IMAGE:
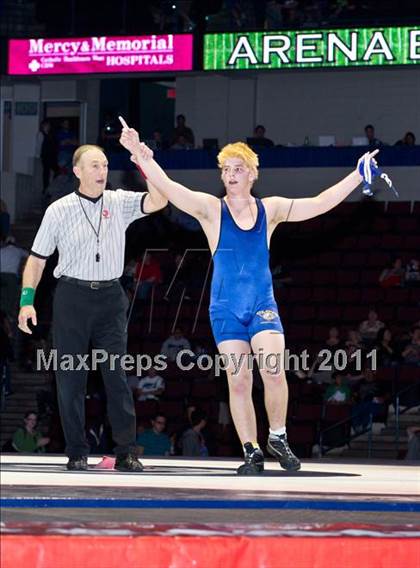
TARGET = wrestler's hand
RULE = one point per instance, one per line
(367, 166)
(130, 139)
(26, 313)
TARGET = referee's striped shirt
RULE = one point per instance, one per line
(65, 226)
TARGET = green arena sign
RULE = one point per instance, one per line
(312, 48)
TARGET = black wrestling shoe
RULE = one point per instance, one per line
(128, 462)
(279, 448)
(77, 463)
(254, 461)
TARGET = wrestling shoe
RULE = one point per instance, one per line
(279, 448)
(254, 461)
(128, 462)
(77, 463)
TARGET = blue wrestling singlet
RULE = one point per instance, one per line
(242, 300)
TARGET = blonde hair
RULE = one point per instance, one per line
(82, 150)
(242, 151)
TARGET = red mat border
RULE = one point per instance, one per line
(208, 552)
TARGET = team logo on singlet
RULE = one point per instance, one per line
(267, 315)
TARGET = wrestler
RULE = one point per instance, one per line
(243, 312)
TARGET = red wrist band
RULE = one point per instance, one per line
(141, 171)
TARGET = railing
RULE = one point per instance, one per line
(349, 420)
(398, 411)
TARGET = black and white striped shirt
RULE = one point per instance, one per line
(66, 228)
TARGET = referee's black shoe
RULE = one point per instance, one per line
(128, 462)
(254, 461)
(77, 463)
(279, 448)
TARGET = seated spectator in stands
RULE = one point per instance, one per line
(411, 353)
(386, 350)
(369, 328)
(158, 142)
(27, 439)
(259, 139)
(370, 135)
(174, 344)
(338, 392)
(412, 273)
(4, 221)
(408, 140)
(150, 275)
(6, 354)
(181, 143)
(413, 446)
(353, 341)
(333, 341)
(150, 387)
(154, 442)
(370, 400)
(393, 277)
(192, 441)
(183, 132)
(12, 258)
(281, 276)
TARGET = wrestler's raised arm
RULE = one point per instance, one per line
(280, 209)
(194, 203)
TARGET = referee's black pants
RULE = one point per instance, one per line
(82, 316)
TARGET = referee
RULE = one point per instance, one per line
(88, 229)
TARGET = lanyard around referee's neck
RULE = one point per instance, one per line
(96, 231)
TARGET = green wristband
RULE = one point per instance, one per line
(27, 297)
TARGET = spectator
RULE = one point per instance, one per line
(182, 132)
(372, 142)
(158, 142)
(413, 449)
(408, 140)
(67, 142)
(181, 143)
(150, 387)
(154, 442)
(192, 441)
(259, 139)
(11, 264)
(333, 342)
(352, 346)
(48, 152)
(27, 439)
(369, 328)
(411, 353)
(412, 273)
(371, 399)
(6, 354)
(354, 341)
(338, 393)
(174, 344)
(4, 221)
(150, 275)
(393, 276)
(386, 352)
